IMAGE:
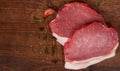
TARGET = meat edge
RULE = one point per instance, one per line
(75, 65)
(60, 39)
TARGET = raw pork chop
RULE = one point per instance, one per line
(89, 45)
(72, 17)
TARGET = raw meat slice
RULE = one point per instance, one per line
(89, 45)
(88, 62)
(72, 17)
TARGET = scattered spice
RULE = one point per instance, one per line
(45, 37)
(49, 12)
(43, 60)
(40, 52)
(31, 46)
(53, 48)
(54, 61)
(46, 50)
(41, 28)
(36, 19)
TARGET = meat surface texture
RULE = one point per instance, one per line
(90, 45)
(72, 17)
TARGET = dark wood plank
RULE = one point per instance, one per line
(23, 41)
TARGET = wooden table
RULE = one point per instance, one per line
(26, 41)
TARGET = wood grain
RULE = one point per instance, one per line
(22, 43)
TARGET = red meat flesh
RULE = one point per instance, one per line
(72, 17)
(90, 41)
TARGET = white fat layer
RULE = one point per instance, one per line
(75, 65)
(60, 39)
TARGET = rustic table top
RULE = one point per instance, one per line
(26, 43)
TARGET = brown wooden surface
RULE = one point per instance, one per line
(22, 47)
